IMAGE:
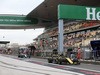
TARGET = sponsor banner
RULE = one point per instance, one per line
(17, 20)
(78, 12)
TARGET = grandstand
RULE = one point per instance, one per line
(77, 33)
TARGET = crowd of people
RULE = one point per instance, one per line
(6, 51)
(80, 38)
(76, 34)
(74, 26)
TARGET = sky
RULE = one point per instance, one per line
(19, 7)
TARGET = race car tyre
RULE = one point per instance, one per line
(76, 63)
(60, 62)
(49, 60)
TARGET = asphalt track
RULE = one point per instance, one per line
(84, 69)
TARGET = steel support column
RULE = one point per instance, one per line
(60, 37)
